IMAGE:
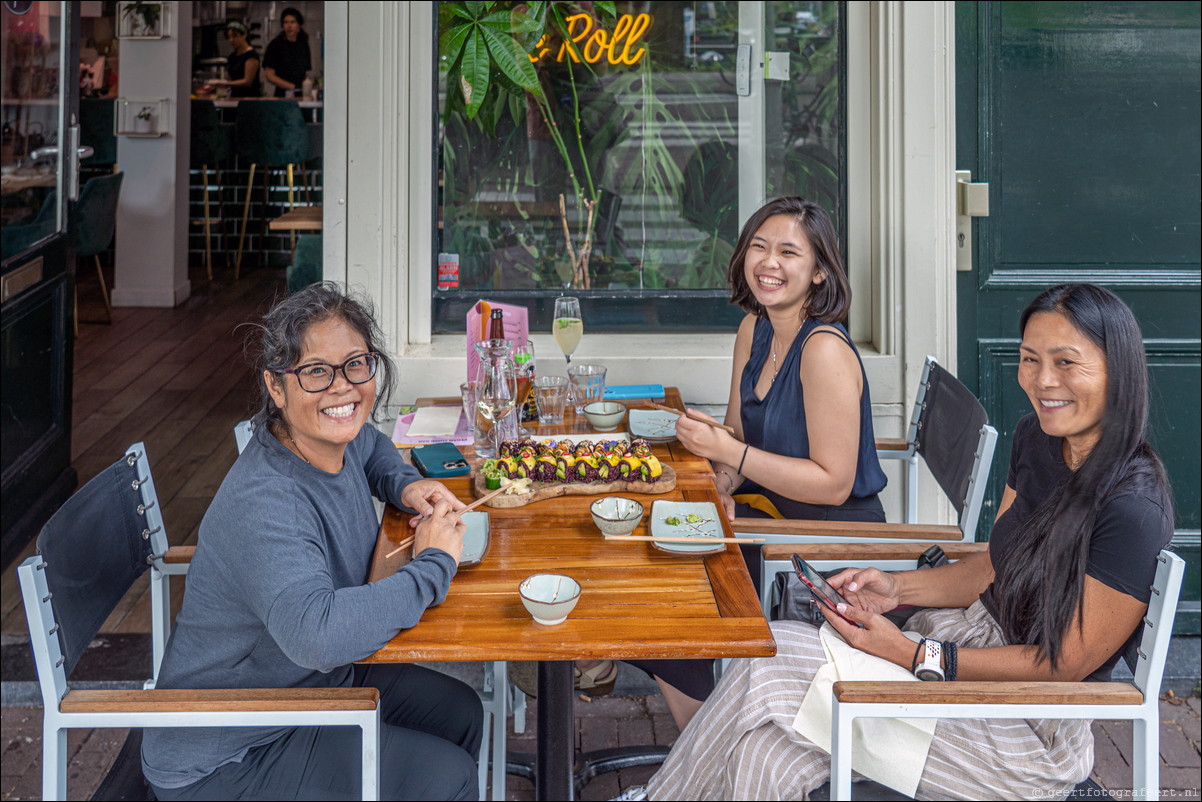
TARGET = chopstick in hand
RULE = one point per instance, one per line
(408, 542)
(691, 416)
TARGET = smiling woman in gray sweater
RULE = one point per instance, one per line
(276, 595)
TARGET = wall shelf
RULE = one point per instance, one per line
(130, 22)
(141, 117)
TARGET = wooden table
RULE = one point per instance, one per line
(637, 602)
(302, 218)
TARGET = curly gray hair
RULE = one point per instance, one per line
(278, 341)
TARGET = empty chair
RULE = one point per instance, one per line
(269, 134)
(306, 262)
(96, 220)
(89, 554)
(211, 144)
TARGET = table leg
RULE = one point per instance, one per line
(556, 736)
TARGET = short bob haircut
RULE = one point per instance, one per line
(828, 302)
(277, 343)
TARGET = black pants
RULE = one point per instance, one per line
(695, 678)
(429, 740)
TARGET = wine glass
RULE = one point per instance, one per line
(568, 326)
(496, 386)
(523, 359)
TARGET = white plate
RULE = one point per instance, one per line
(475, 539)
(652, 425)
(709, 527)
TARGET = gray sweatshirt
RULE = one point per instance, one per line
(276, 595)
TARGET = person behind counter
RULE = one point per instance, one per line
(242, 65)
(287, 58)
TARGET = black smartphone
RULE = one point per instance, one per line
(439, 460)
(820, 589)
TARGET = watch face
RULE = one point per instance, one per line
(929, 675)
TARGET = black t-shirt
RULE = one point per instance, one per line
(236, 66)
(1129, 531)
(290, 60)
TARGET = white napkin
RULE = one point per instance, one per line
(434, 421)
(891, 751)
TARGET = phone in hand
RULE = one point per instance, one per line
(439, 461)
(820, 589)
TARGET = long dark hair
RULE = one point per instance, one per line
(278, 341)
(827, 302)
(1039, 589)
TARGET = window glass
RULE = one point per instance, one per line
(637, 126)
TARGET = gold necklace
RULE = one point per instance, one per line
(775, 369)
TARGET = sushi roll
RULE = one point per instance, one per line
(526, 449)
(508, 448)
(525, 468)
(651, 469)
(607, 466)
(640, 448)
(628, 468)
(561, 448)
(587, 469)
(565, 468)
(508, 467)
(544, 468)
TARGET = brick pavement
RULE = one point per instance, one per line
(603, 722)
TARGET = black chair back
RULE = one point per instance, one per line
(948, 433)
(94, 548)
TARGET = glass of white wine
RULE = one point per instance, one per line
(567, 326)
(496, 389)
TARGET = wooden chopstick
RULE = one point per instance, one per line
(406, 543)
(691, 416)
(646, 539)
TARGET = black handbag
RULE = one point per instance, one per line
(796, 603)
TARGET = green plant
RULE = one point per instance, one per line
(145, 113)
(148, 12)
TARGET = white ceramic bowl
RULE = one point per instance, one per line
(615, 515)
(549, 597)
(605, 415)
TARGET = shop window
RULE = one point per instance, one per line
(657, 139)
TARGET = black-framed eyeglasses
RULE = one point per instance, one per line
(318, 376)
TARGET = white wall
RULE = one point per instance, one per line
(152, 219)
(902, 152)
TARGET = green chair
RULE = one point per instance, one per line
(271, 133)
(96, 220)
(96, 131)
(212, 143)
(306, 263)
(19, 236)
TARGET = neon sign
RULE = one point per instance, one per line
(615, 46)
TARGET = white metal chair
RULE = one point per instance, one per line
(949, 428)
(99, 542)
(1137, 701)
(492, 695)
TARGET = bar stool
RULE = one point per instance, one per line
(96, 220)
(271, 133)
(212, 143)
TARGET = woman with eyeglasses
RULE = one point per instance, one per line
(276, 595)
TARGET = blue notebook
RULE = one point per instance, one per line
(621, 392)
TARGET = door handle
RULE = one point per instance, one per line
(74, 154)
(972, 200)
(85, 151)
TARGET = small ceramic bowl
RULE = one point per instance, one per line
(549, 597)
(615, 515)
(605, 415)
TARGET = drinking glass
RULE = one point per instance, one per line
(523, 359)
(496, 392)
(588, 385)
(551, 395)
(567, 326)
(467, 391)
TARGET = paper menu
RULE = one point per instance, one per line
(515, 324)
(434, 421)
(401, 436)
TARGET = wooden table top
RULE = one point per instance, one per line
(637, 602)
(302, 218)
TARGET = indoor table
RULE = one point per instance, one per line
(636, 602)
(302, 218)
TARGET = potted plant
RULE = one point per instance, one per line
(143, 120)
(143, 17)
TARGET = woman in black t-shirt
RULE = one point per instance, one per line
(1058, 596)
(287, 58)
(243, 64)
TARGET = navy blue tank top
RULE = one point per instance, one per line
(777, 424)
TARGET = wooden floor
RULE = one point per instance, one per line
(176, 379)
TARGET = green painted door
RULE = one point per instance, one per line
(1083, 117)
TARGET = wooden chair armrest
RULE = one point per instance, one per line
(239, 700)
(992, 693)
(773, 526)
(179, 554)
(854, 552)
(892, 444)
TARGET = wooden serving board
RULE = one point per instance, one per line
(544, 490)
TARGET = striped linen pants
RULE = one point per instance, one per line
(742, 745)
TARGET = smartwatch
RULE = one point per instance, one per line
(931, 668)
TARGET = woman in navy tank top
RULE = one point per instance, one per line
(799, 404)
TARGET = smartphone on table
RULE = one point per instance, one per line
(820, 589)
(439, 461)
